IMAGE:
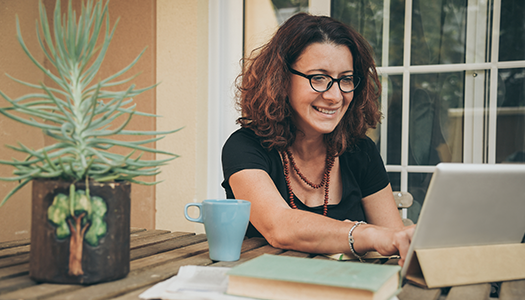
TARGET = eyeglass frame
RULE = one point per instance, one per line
(329, 86)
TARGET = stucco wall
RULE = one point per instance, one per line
(15, 214)
(182, 69)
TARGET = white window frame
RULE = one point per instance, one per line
(225, 45)
(476, 149)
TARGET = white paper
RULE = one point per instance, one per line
(193, 283)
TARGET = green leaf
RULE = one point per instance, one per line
(99, 207)
(97, 229)
(63, 230)
(82, 203)
(58, 212)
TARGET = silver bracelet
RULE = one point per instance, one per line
(351, 241)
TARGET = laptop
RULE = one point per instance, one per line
(471, 204)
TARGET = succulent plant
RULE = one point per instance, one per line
(81, 113)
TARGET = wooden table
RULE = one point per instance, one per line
(156, 255)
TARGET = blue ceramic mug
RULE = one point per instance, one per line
(225, 223)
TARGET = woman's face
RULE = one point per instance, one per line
(317, 113)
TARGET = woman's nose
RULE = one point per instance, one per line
(333, 94)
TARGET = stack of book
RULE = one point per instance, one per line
(283, 277)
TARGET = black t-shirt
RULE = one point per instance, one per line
(362, 170)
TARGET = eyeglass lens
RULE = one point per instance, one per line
(322, 83)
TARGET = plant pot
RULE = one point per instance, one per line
(89, 247)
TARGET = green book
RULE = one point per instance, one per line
(285, 277)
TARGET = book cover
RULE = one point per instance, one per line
(284, 277)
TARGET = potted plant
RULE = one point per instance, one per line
(81, 186)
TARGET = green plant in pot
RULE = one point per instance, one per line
(81, 186)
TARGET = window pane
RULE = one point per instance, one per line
(393, 118)
(510, 145)
(397, 33)
(367, 18)
(436, 118)
(284, 9)
(417, 186)
(438, 32)
(395, 180)
(512, 30)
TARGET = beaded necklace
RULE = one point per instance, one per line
(324, 182)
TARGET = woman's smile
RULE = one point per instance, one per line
(325, 111)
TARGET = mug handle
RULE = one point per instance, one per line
(199, 218)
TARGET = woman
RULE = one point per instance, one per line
(302, 157)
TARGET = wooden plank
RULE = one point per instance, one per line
(14, 251)
(470, 292)
(153, 239)
(40, 291)
(168, 245)
(14, 271)
(511, 290)
(141, 234)
(16, 243)
(249, 255)
(135, 280)
(13, 284)
(136, 229)
(155, 260)
(14, 260)
(134, 295)
(411, 292)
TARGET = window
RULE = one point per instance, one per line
(453, 82)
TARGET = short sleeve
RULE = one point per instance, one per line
(243, 150)
(375, 175)
(365, 168)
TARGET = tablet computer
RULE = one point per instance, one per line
(471, 204)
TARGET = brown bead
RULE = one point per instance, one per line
(324, 182)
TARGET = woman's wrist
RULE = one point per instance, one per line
(351, 240)
(363, 236)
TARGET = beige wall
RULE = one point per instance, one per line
(260, 24)
(182, 67)
(136, 30)
(15, 214)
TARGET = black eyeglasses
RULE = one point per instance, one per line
(322, 82)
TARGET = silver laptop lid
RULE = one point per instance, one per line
(471, 204)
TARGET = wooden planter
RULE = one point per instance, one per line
(96, 249)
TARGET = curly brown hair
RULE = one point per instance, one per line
(263, 84)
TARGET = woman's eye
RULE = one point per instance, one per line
(347, 80)
(319, 78)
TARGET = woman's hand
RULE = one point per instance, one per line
(386, 241)
(389, 241)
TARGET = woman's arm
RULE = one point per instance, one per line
(300, 230)
(380, 209)
(282, 226)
